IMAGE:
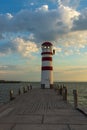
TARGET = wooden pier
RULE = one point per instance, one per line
(41, 109)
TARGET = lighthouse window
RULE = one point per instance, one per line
(46, 47)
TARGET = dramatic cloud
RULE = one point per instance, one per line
(42, 22)
(68, 15)
(62, 25)
(81, 22)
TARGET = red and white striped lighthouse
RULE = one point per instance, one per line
(47, 68)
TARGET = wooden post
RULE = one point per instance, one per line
(75, 93)
(11, 95)
(58, 92)
(61, 89)
(64, 93)
(28, 87)
(24, 90)
(57, 88)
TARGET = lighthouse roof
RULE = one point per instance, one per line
(47, 44)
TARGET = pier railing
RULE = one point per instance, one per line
(20, 91)
(77, 96)
(72, 95)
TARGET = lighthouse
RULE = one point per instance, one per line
(47, 67)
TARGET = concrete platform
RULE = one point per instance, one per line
(41, 110)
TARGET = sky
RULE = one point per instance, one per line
(26, 24)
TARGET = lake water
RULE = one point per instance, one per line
(80, 86)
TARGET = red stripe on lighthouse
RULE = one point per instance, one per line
(47, 68)
(46, 58)
(46, 53)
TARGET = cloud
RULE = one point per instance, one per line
(38, 24)
(70, 69)
(7, 47)
(26, 20)
(73, 42)
(70, 73)
(3, 22)
(18, 45)
(43, 8)
(9, 16)
(67, 15)
(3, 67)
(78, 69)
(26, 48)
(69, 3)
(65, 26)
(9, 67)
(43, 23)
(1, 37)
(57, 49)
(81, 22)
(22, 33)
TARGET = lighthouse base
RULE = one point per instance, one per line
(43, 86)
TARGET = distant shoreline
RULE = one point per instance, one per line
(3, 81)
(11, 81)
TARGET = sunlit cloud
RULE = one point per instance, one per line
(70, 3)
(67, 15)
(20, 46)
(26, 48)
(42, 8)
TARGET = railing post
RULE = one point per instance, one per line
(24, 90)
(30, 86)
(27, 87)
(11, 95)
(64, 93)
(61, 90)
(75, 93)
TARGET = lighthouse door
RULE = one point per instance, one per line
(47, 83)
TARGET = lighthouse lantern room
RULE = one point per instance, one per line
(47, 68)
